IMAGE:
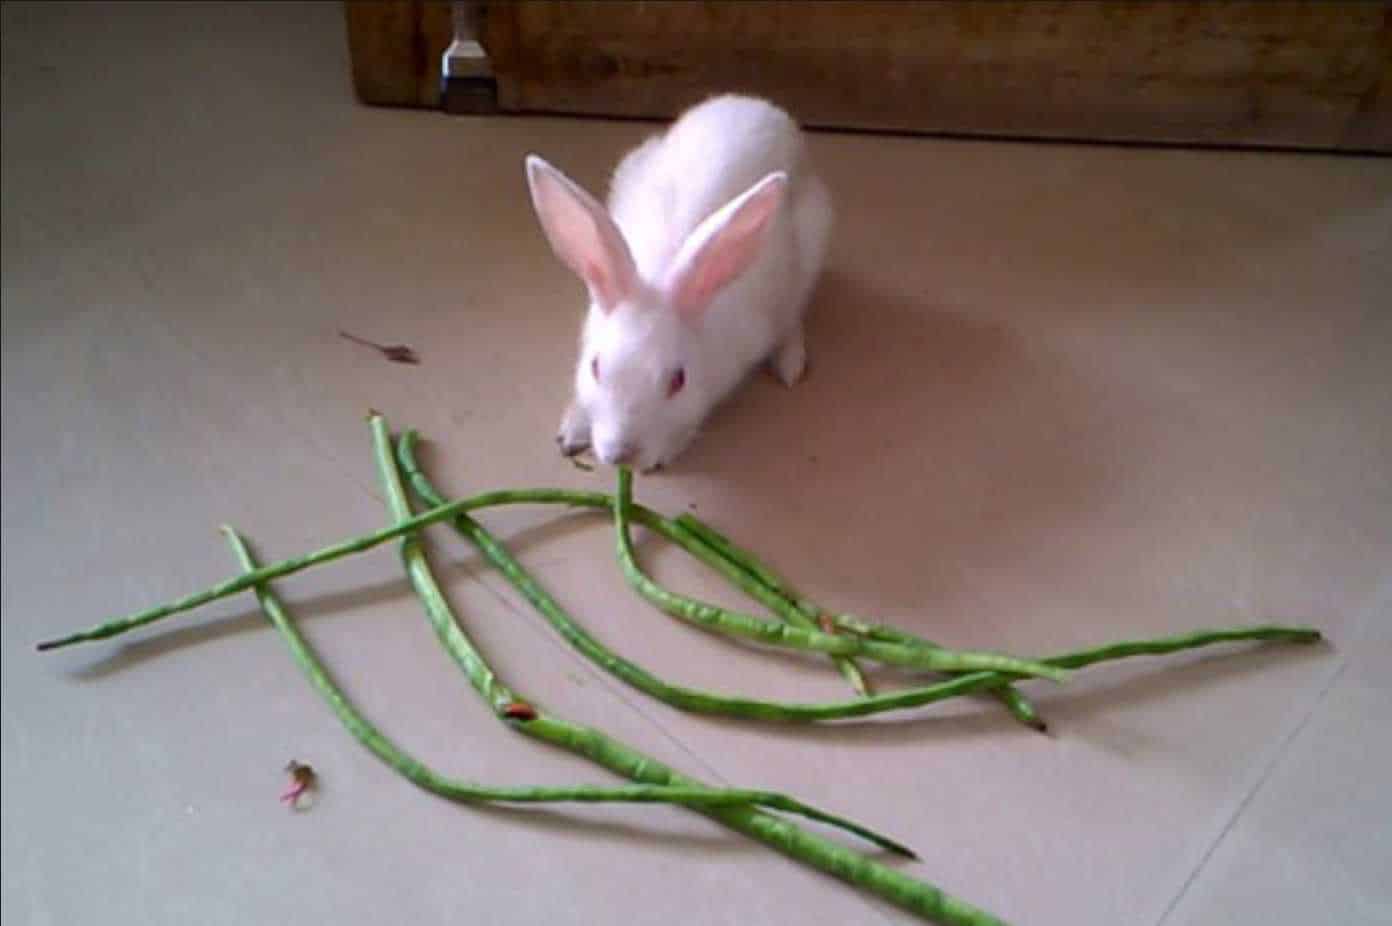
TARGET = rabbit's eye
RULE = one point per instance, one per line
(594, 367)
(675, 384)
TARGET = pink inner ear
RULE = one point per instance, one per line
(582, 235)
(609, 274)
(730, 241)
(599, 281)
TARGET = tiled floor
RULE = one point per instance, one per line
(1060, 395)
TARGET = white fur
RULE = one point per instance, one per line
(704, 261)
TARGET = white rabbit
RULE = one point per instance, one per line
(700, 270)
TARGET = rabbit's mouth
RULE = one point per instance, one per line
(619, 455)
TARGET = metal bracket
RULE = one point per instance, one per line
(467, 83)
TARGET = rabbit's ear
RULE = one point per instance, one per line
(582, 234)
(723, 246)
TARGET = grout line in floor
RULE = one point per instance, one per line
(539, 626)
(1382, 600)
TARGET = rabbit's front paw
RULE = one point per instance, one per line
(574, 434)
(789, 361)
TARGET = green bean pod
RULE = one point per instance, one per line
(913, 895)
(785, 635)
(689, 699)
(1015, 701)
(422, 775)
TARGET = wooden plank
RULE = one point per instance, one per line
(1370, 128)
(1249, 72)
(395, 47)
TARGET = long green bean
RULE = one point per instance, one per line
(774, 597)
(1161, 646)
(894, 886)
(738, 809)
(964, 684)
(1015, 701)
(748, 561)
(689, 699)
(1077, 659)
(543, 496)
(749, 626)
(768, 631)
(782, 606)
(295, 564)
(420, 774)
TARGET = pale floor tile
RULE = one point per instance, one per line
(1312, 844)
(1059, 396)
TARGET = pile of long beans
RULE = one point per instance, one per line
(801, 624)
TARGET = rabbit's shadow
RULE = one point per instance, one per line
(924, 446)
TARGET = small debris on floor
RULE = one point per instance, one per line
(302, 781)
(396, 353)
